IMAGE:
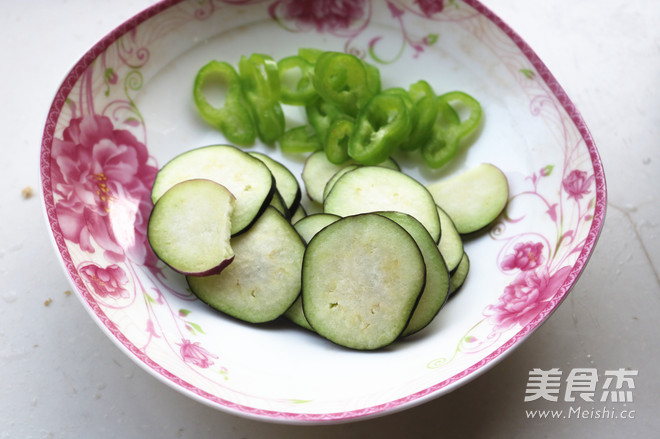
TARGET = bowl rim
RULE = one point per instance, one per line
(409, 401)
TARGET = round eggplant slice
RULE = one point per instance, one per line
(362, 277)
(190, 227)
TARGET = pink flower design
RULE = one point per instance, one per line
(106, 282)
(577, 184)
(430, 7)
(525, 256)
(552, 211)
(195, 354)
(525, 297)
(103, 177)
(323, 15)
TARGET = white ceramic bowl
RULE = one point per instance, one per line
(126, 108)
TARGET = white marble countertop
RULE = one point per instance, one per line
(63, 378)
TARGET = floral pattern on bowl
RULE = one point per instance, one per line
(125, 108)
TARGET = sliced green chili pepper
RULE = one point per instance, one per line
(299, 140)
(347, 112)
(420, 90)
(443, 143)
(341, 79)
(320, 115)
(373, 73)
(425, 112)
(296, 86)
(412, 114)
(373, 78)
(261, 86)
(336, 144)
(310, 54)
(260, 75)
(449, 128)
(422, 115)
(380, 127)
(232, 118)
(462, 102)
(402, 93)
